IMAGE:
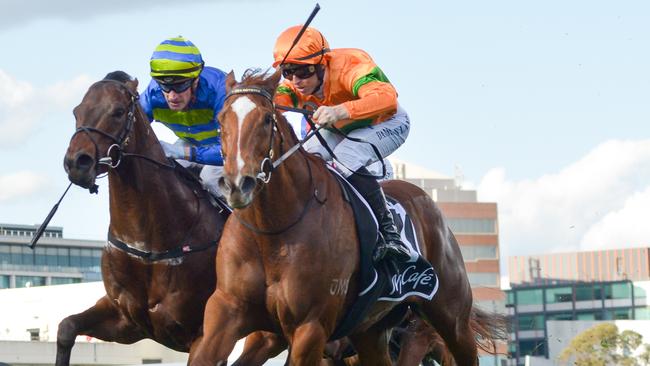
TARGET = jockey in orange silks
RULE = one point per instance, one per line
(354, 95)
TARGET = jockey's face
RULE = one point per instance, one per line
(178, 101)
(305, 85)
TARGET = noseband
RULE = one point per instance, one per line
(118, 142)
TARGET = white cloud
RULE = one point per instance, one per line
(625, 227)
(600, 201)
(20, 184)
(23, 107)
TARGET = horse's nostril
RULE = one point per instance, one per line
(84, 162)
(247, 184)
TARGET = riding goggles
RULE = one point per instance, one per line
(178, 87)
(300, 71)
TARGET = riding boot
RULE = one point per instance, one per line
(390, 244)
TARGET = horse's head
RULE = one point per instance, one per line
(104, 120)
(248, 126)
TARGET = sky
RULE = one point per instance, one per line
(541, 106)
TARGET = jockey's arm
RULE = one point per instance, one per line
(375, 98)
(206, 154)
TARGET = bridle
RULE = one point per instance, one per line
(268, 162)
(119, 142)
(122, 139)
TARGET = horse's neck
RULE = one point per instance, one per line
(287, 193)
(148, 202)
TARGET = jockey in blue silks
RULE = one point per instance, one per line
(186, 96)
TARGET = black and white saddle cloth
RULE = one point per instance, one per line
(390, 281)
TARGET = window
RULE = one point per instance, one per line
(75, 257)
(642, 313)
(63, 259)
(483, 279)
(639, 293)
(5, 254)
(97, 257)
(473, 226)
(50, 254)
(474, 252)
(559, 294)
(86, 258)
(618, 314)
(532, 347)
(28, 256)
(39, 256)
(16, 255)
(585, 293)
(29, 281)
(4, 281)
(530, 297)
(530, 322)
(595, 315)
(560, 316)
(618, 290)
(64, 280)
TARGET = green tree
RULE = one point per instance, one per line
(603, 345)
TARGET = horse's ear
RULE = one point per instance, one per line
(230, 81)
(132, 85)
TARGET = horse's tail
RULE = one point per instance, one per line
(489, 328)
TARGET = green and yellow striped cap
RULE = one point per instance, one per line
(176, 57)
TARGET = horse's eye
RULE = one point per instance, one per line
(119, 112)
(268, 119)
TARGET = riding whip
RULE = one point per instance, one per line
(41, 229)
(304, 27)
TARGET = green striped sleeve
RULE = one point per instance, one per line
(375, 75)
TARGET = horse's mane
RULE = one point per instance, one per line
(118, 75)
(257, 77)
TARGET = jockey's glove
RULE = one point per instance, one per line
(326, 116)
(175, 151)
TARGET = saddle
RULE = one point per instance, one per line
(389, 282)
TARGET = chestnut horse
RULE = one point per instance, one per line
(158, 268)
(292, 237)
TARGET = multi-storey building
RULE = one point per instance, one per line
(54, 260)
(604, 285)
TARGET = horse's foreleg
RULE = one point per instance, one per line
(101, 321)
(372, 346)
(259, 347)
(224, 324)
(307, 345)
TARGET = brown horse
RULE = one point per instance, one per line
(292, 238)
(158, 268)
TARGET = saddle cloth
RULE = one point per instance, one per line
(392, 282)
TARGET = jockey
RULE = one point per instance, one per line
(354, 95)
(186, 96)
